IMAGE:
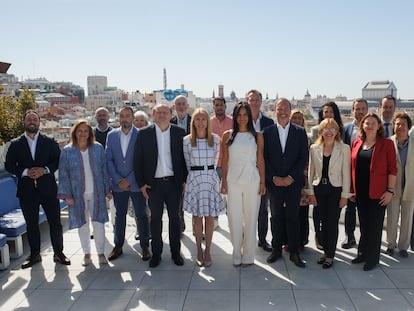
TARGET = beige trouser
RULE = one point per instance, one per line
(243, 203)
(406, 222)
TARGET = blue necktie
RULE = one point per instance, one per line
(387, 131)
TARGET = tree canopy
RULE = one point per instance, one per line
(12, 110)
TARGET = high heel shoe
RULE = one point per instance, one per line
(199, 262)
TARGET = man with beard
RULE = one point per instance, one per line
(119, 154)
(34, 158)
(102, 128)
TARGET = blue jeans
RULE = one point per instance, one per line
(121, 207)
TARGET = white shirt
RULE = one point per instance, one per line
(125, 138)
(283, 134)
(257, 123)
(164, 161)
(355, 132)
(32, 146)
(87, 171)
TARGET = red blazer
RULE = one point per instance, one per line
(383, 163)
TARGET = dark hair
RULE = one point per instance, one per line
(219, 98)
(388, 97)
(403, 115)
(74, 140)
(127, 108)
(29, 112)
(380, 132)
(359, 100)
(253, 91)
(337, 115)
(250, 128)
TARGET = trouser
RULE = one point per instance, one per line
(98, 228)
(328, 198)
(263, 219)
(243, 203)
(350, 219)
(121, 206)
(393, 214)
(30, 209)
(304, 225)
(168, 193)
(284, 203)
(371, 219)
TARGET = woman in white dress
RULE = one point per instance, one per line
(243, 182)
(202, 193)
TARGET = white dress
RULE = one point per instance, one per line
(202, 192)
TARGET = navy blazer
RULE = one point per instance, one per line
(146, 155)
(19, 158)
(347, 135)
(119, 166)
(174, 120)
(265, 122)
(290, 163)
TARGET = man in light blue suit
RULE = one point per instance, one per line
(120, 146)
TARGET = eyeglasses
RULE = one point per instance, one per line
(329, 129)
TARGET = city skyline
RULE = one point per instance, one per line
(277, 47)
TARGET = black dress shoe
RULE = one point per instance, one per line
(349, 243)
(155, 261)
(62, 259)
(265, 246)
(275, 255)
(116, 252)
(358, 259)
(31, 260)
(297, 260)
(389, 251)
(368, 266)
(136, 237)
(178, 260)
(146, 255)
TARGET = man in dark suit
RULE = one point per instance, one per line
(351, 132)
(160, 172)
(260, 122)
(181, 119)
(34, 158)
(286, 154)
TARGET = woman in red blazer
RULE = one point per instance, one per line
(373, 172)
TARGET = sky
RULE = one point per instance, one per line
(283, 48)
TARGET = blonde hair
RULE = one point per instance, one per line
(324, 124)
(298, 111)
(193, 131)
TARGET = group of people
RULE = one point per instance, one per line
(189, 163)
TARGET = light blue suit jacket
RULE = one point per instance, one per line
(119, 166)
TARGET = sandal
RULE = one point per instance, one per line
(328, 263)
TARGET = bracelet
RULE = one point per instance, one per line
(390, 190)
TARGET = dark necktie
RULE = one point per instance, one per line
(387, 129)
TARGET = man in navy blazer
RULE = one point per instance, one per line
(120, 147)
(260, 122)
(286, 154)
(34, 158)
(351, 133)
(160, 172)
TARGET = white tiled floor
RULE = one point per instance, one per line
(128, 284)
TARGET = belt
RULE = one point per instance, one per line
(202, 168)
(324, 181)
(166, 178)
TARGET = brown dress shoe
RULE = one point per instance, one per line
(146, 255)
(116, 252)
(31, 260)
(297, 260)
(275, 255)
